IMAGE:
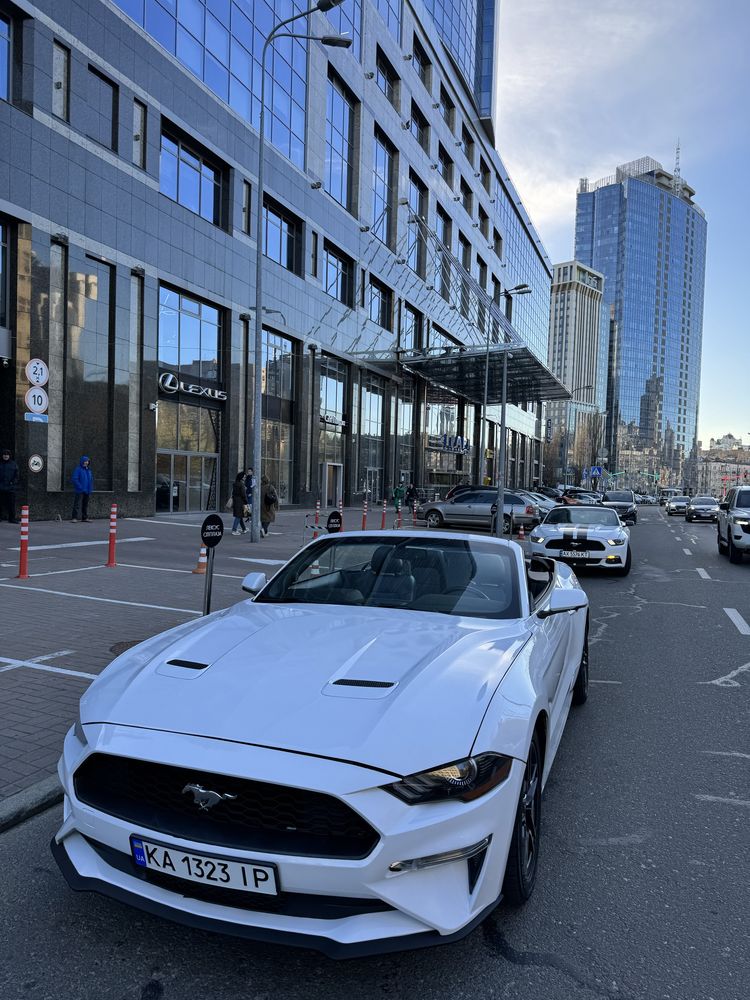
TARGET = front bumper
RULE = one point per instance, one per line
(400, 910)
(613, 558)
(702, 515)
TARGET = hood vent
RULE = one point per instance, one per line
(189, 664)
(356, 683)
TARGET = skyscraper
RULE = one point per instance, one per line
(642, 230)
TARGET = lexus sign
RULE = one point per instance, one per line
(171, 384)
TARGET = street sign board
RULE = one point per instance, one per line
(334, 522)
(36, 399)
(36, 463)
(37, 372)
(36, 418)
(596, 471)
(212, 530)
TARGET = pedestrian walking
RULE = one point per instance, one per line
(398, 495)
(411, 495)
(239, 504)
(8, 484)
(250, 490)
(269, 504)
(83, 484)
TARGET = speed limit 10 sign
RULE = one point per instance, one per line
(37, 399)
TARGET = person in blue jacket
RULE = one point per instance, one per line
(83, 483)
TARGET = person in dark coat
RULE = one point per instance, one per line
(411, 496)
(83, 484)
(8, 483)
(239, 502)
(249, 489)
(269, 504)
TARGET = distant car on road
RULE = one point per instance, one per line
(677, 505)
(733, 525)
(584, 536)
(666, 493)
(702, 509)
(623, 501)
(474, 509)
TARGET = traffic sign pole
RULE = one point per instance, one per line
(212, 531)
(209, 582)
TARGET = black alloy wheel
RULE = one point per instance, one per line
(625, 568)
(581, 686)
(523, 856)
(435, 519)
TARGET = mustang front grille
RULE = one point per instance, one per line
(244, 814)
(575, 545)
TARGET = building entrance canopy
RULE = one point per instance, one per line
(461, 372)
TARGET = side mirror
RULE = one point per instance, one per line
(562, 601)
(723, 506)
(254, 582)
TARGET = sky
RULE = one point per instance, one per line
(584, 85)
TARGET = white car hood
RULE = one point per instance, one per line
(270, 682)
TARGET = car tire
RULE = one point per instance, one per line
(735, 554)
(435, 519)
(719, 543)
(523, 855)
(624, 570)
(581, 686)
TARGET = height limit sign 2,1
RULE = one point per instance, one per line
(212, 532)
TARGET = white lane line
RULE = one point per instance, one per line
(593, 681)
(78, 545)
(103, 600)
(52, 656)
(728, 681)
(727, 802)
(726, 753)
(736, 618)
(57, 572)
(31, 665)
(702, 573)
(262, 562)
(170, 569)
(687, 552)
(175, 524)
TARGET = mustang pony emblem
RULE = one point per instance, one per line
(204, 798)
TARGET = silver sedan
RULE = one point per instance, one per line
(475, 510)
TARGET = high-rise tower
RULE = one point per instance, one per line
(642, 230)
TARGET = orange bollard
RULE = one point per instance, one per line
(382, 519)
(202, 561)
(23, 558)
(317, 519)
(110, 563)
(521, 534)
(414, 513)
(398, 522)
(341, 511)
(364, 515)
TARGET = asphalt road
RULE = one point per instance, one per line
(643, 891)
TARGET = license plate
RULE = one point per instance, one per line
(248, 876)
(574, 555)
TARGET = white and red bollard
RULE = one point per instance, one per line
(341, 511)
(385, 512)
(23, 558)
(521, 534)
(110, 563)
(414, 513)
(317, 519)
(398, 518)
(364, 514)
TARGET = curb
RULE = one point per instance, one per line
(35, 799)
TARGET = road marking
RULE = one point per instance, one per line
(175, 524)
(736, 618)
(32, 665)
(262, 562)
(52, 656)
(78, 545)
(727, 753)
(687, 552)
(728, 681)
(593, 681)
(103, 600)
(728, 802)
(702, 573)
(170, 569)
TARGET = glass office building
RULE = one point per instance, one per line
(644, 232)
(390, 233)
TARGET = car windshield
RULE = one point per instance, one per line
(743, 499)
(680, 499)
(704, 501)
(583, 515)
(477, 579)
(619, 497)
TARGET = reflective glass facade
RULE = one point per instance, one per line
(391, 13)
(4, 58)
(467, 28)
(642, 230)
(339, 143)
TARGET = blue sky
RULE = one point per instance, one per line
(586, 84)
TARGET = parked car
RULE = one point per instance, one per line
(677, 505)
(702, 509)
(549, 491)
(733, 524)
(373, 783)
(474, 509)
(544, 503)
(623, 501)
(584, 536)
(460, 488)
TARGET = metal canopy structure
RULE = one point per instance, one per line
(461, 372)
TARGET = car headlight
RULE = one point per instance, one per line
(536, 538)
(79, 733)
(464, 779)
(615, 541)
(740, 520)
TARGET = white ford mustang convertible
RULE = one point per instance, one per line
(351, 761)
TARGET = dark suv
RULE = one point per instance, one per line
(623, 501)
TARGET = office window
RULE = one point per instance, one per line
(420, 128)
(186, 177)
(339, 143)
(390, 11)
(139, 134)
(282, 236)
(338, 274)
(384, 172)
(468, 144)
(411, 329)
(189, 334)
(381, 304)
(485, 176)
(60, 81)
(443, 230)
(347, 20)
(467, 198)
(416, 249)
(4, 276)
(497, 242)
(246, 206)
(484, 223)
(102, 109)
(464, 249)
(447, 108)
(4, 58)
(386, 79)
(420, 62)
(445, 166)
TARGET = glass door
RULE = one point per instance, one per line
(186, 483)
(332, 482)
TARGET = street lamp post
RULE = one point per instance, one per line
(337, 41)
(578, 388)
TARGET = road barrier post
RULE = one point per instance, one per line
(385, 511)
(110, 563)
(398, 514)
(341, 511)
(364, 514)
(414, 513)
(317, 519)
(23, 558)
